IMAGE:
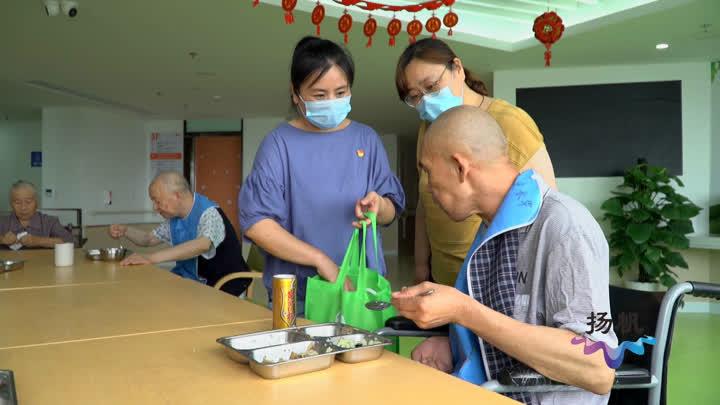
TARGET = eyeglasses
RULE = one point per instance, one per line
(413, 99)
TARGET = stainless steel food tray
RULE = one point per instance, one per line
(269, 353)
(10, 265)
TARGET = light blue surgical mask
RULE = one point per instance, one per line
(434, 104)
(327, 114)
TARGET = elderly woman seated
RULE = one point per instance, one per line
(25, 226)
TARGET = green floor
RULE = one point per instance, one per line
(694, 360)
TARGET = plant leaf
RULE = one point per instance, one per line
(675, 259)
(667, 280)
(639, 215)
(653, 254)
(681, 226)
(613, 206)
(640, 233)
(679, 242)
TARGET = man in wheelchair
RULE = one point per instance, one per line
(536, 272)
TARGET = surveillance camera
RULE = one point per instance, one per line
(52, 7)
(69, 8)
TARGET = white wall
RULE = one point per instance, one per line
(695, 113)
(254, 131)
(17, 140)
(89, 150)
(715, 124)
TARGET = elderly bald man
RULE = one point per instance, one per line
(205, 246)
(26, 227)
(537, 270)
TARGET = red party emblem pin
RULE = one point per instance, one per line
(360, 153)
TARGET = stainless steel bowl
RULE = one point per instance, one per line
(10, 265)
(107, 254)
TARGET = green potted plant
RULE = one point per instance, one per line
(649, 221)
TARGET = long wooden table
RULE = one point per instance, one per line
(39, 271)
(144, 338)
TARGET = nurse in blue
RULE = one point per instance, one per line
(314, 176)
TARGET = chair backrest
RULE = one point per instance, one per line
(71, 218)
(635, 314)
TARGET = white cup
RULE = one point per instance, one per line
(64, 254)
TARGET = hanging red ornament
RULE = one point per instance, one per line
(548, 29)
(317, 16)
(450, 20)
(345, 24)
(394, 27)
(288, 6)
(414, 28)
(433, 25)
(369, 30)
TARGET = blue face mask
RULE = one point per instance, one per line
(434, 104)
(327, 114)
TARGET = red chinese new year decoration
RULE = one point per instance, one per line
(344, 25)
(317, 16)
(433, 25)
(288, 6)
(414, 28)
(450, 20)
(548, 29)
(412, 8)
(369, 30)
(394, 27)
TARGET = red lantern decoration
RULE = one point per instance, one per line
(318, 14)
(548, 29)
(414, 28)
(394, 27)
(450, 20)
(345, 24)
(433, 25)
(369, 30)
(288, 6)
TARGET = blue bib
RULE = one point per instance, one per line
(185, 229)
(519, 208)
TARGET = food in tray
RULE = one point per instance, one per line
(346, 343)
(294, 356)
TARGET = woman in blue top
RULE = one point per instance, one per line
(314, 176)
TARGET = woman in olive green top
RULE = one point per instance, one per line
(431, 79)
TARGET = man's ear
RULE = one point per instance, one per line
(461, 166)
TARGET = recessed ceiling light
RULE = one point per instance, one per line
(662, 46)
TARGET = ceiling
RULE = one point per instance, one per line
(135, 55)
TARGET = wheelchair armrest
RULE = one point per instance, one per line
(401, 326)
(401, 323)
(706, 290)
(523, 376)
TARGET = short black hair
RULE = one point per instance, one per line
(315, 55)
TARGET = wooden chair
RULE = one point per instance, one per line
(252, 274)
(256, 263)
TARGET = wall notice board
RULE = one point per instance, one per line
(600, 130)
